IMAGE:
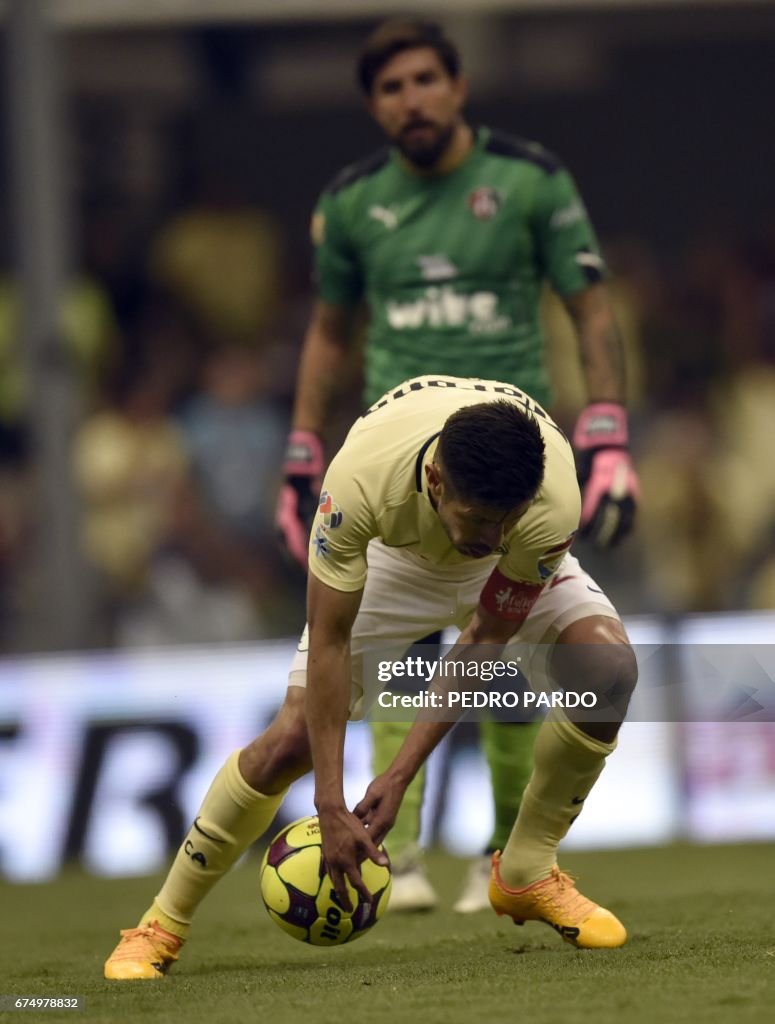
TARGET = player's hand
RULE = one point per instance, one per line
(609, 484)
(379, 807)
(346, 845)
(298, 499)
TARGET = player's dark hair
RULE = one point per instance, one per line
(396, 35)
(492, 454)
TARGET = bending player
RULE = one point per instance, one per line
(460, 496)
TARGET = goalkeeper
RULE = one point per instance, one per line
(448, 235)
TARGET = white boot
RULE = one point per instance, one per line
(474, 895)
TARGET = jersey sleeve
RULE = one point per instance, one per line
(566, 240)
(541, 539)
(341, 530)
(338, 271)
(516, 582)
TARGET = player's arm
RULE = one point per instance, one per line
(601, 437)
(600, 345)
(323, 358)
(346, 843)
(324, 352)
(576, 269)
(495, 621)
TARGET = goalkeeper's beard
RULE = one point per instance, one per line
(425, 154)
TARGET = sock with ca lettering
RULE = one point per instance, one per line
(567, 764)
(231, 818)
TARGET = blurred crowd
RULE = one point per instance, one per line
(186, 344)
(700, 334)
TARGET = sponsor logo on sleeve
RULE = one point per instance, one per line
(320, 542)
(329, 511)
(568, 215)
(331, 517)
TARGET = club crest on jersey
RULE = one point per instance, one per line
(484, 202)
(329, 511)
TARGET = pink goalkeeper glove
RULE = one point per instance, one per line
(609, 485)
(298, 499)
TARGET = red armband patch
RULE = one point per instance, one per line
(509, 599)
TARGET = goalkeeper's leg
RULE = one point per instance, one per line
(508, 747)
(411, 889)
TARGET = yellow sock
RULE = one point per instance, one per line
(169, 924)
(232, 816)
(567, 764)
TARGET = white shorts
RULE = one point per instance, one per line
(405, 599)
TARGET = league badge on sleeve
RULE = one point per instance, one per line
(550, 560)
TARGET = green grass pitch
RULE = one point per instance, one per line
(701, 949)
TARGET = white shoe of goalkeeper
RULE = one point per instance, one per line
(411, 891)
(475, 892)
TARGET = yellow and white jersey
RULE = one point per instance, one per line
(376, 487)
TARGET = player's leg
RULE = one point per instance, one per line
(238, 808)
(588, 653)
(508, 748)
(412, 890)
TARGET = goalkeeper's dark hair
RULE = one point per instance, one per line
(397, 35)
(492, 454)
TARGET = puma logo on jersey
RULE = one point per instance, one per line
(445, 307)
(385, 216)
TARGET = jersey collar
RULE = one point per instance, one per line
(428, 449)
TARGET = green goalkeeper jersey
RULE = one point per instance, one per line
(452, 266)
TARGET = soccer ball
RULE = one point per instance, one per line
(300, 897)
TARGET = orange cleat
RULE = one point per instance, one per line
(146, 952)
(556, 901)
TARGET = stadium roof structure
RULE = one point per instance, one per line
(97, 14)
